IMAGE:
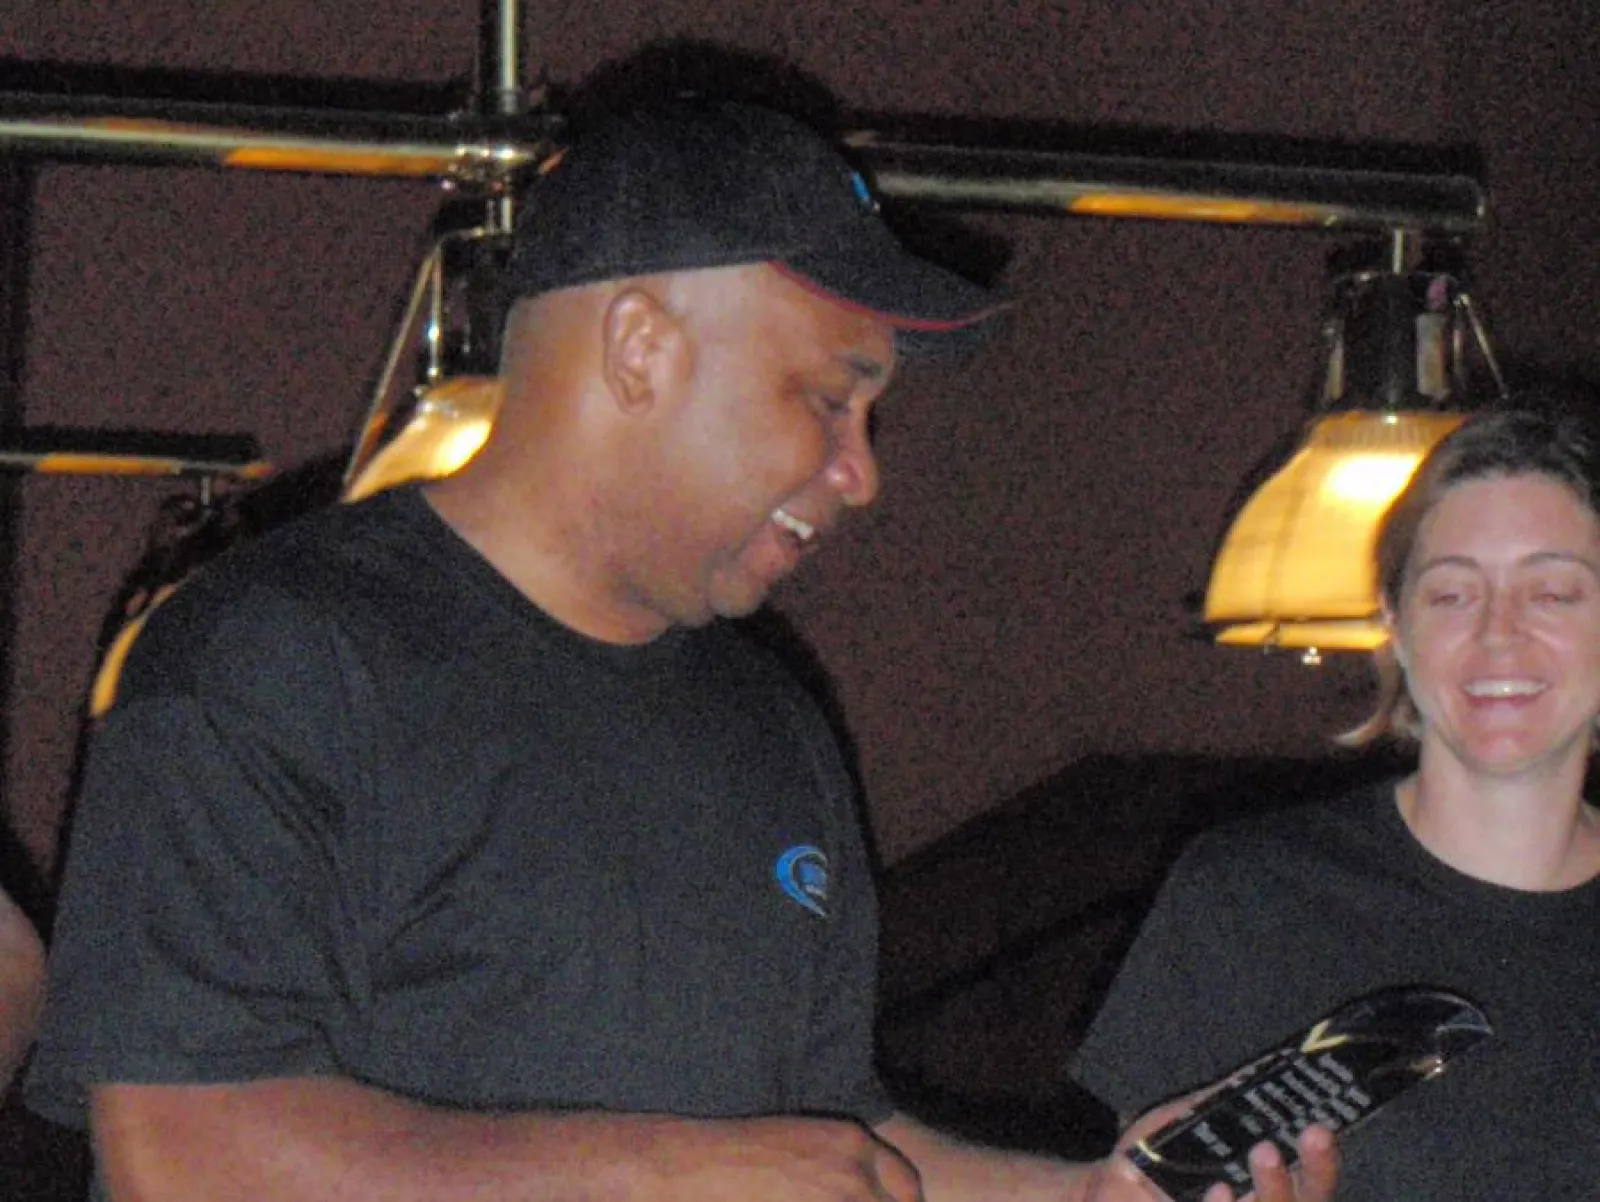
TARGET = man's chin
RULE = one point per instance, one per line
(738, 600)
(741, 607)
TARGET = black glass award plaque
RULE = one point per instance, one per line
(1338, 1073)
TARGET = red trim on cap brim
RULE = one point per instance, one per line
(920, 325)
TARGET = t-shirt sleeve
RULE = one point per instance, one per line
(840, 1064)
(197, 938)
(837, 1066)
(1166, 1026)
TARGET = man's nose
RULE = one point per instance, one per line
(853, 471)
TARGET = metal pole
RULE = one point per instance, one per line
(474, 152)
(500, 83)
(500, 58)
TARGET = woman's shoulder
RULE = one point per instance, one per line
(1354, 824)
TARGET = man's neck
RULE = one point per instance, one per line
(532, 554)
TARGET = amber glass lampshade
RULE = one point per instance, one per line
(1296, 569)
(447, 426)
(440, 391)
(1407, 359)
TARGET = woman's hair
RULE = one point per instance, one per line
(1507, 442)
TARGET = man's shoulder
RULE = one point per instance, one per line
(313, 551)
(276, 594)
(337, 534)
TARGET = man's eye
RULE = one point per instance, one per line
(837, 406)
(1445, 599)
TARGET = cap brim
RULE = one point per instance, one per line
(928, 307)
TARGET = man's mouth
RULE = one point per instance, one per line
(803, 531)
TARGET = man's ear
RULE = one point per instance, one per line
(643, 342)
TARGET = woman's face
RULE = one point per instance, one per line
(1498, 627)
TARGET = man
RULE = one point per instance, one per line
(448, 845)
(21, 987)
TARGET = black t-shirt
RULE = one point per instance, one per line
(362, 810)
(1265, 926)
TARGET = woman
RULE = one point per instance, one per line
(1477, 872)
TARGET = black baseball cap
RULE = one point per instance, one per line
(696, 184)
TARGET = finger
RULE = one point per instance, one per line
(1318, 1170)
(897, 1179)
(1269, 1175)
(1153, 1121)
(1119, 1178)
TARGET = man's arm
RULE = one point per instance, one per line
(953, 1171)
(333, 1140)
(22, 973)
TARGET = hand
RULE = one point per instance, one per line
(1311, 1180)
(782, 1159)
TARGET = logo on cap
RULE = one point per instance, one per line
(858, 185)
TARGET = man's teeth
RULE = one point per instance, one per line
(801, 530)
(1504, 688)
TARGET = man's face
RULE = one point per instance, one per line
(768, 445)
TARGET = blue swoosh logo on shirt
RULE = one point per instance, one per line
(802, 873)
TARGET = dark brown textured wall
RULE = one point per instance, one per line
(1015, 601)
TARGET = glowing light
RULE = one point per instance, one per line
(1179, 208)
(1370, 481)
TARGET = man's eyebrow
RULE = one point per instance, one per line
(866, 368)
